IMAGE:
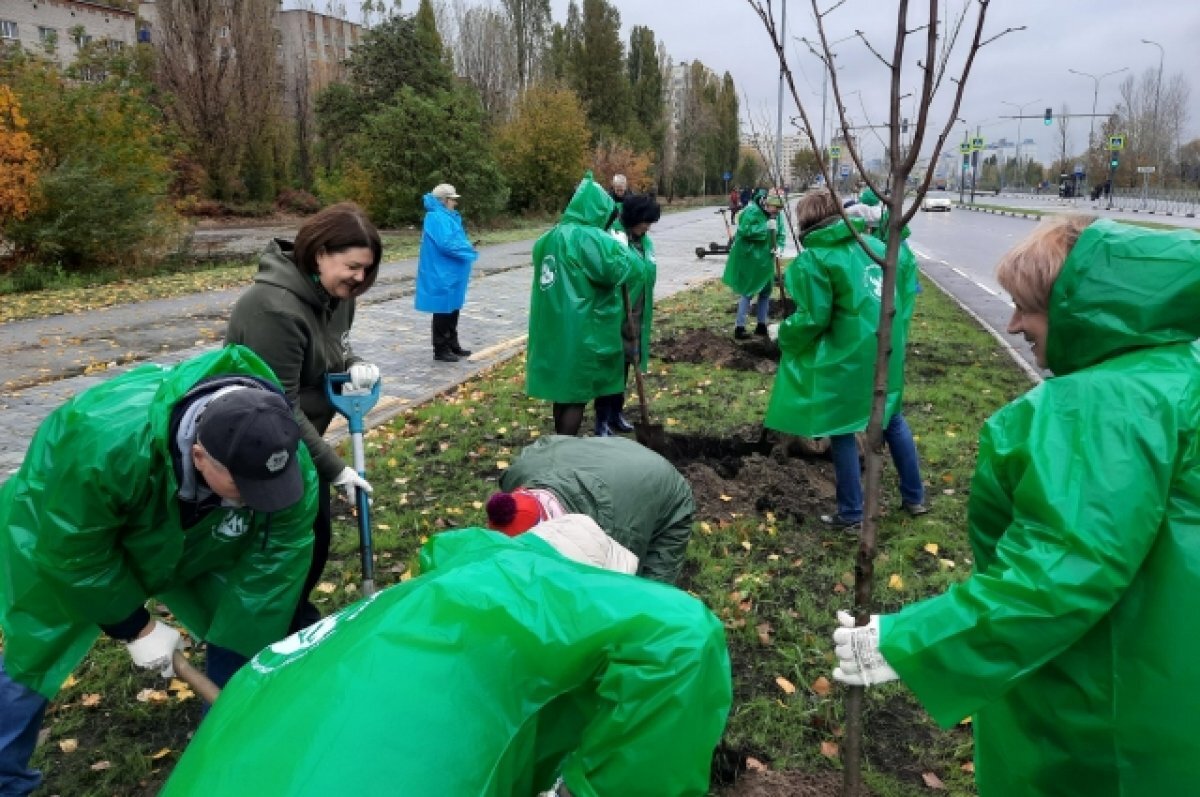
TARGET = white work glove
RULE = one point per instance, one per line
(779, 252)
(154, 651)
(859, 661)
(772, 225)
(363, 376)
(620, 236)
(349, 480)
(773, 332)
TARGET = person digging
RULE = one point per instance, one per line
(750, 268)
(187, 484)
(635, 495)
(510, 666)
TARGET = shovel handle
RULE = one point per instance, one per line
(637, 367)
(198, 681)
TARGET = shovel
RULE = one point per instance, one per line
(354, 409)
(199, 682)
(651, 435)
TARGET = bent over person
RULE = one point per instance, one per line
(507, 665)
(1071, 643)
(636, 496)
(186, 484)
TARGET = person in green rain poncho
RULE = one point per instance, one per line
(187, 484)
(638, 213)
(1070, 645)
(827, 363)
(750, 268)
(575, 352)
(508, 664)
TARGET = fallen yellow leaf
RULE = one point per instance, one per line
(946, 564)
(787, 686)
(821, 686)
(829, 749)
(726, 498)
(152, 696)
(326, 588)
(895, 582)
(707, 529)
(90, 700)
(746, 544)
(71, 681)
(68, 745)
(501, 464)
(933, 781)
(672, 422)
(477, 504)
(932, 547)
(754, 765)
(163, 753)
(100, 766)
(184, 694)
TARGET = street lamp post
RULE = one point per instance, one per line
(1020, 114)
(1157, 94)
(1095, 96)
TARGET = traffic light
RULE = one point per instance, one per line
(1048, 119)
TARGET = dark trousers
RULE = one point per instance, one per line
(306, 613)
(612, 405)
(445, 332)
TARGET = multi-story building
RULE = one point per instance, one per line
(59, 28)
(312, 49)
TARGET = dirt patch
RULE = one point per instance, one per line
(768, 783)
(706, 347)
(741, 475)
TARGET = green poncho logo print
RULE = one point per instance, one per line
(548, 273)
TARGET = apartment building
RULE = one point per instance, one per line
(312, 50)
(59, 28)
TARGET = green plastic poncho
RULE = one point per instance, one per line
(575, 310)
(1071, 644)
(499, 667)
(91, 529)
(643, 275)
(827, 367)
(634, 494)
(750, 266)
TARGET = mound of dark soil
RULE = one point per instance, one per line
(768, 783)
(710, 348)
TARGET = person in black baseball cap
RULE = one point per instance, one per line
(251, 435)
(186, 484)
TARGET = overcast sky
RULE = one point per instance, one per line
(1026, 67)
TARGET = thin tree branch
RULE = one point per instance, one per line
(874, 52)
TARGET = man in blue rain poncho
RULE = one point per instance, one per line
(509, 663)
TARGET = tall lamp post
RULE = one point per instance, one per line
(1095, 96)
(1157, 94)
(828, 66)
(1020, 114)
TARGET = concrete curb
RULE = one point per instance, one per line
(995, 212)
(1028, 369)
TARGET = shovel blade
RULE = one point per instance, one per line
(652, 436)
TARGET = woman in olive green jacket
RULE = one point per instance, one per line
(297, 318)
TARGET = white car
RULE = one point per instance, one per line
(936, 201)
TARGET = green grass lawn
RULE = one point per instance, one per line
(758, 558)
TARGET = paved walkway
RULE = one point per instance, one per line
(48, 360)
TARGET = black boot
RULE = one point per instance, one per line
(454, 345)
(761, 330)
(740, 333)
(442, 351)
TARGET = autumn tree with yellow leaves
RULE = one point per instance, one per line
(18, 161)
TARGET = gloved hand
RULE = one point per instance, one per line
(772, 225)
(773, 332)
(620, 236)
(779, 252)
(859, 661)
(153, 651)
(363, 376)
(349, 480)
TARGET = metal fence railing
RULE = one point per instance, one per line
(1164, 203)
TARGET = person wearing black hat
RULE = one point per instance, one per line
(638, 213)
(187, 484)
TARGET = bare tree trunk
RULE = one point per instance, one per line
(932, 67)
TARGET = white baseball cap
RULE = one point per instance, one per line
(445, 191)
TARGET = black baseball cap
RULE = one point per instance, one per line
(252, 433)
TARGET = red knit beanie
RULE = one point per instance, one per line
(513, 513)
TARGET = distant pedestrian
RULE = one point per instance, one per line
(297, 316)
(575, 352)
(444, 270)
(620, 187)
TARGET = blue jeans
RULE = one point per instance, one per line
(21, 713)
(848, 473)
(763, 310)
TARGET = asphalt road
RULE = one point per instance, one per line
(959, 251)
